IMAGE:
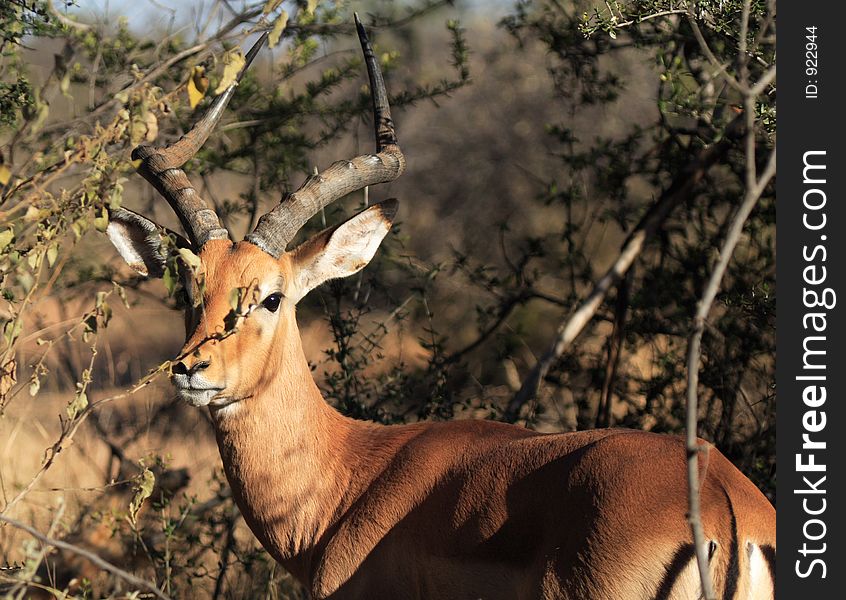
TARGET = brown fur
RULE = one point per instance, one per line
(465, 509)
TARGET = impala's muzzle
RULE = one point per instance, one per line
(191, 385)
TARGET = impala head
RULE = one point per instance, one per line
(240, 324)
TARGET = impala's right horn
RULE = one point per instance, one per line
(276, 229)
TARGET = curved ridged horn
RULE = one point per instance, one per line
(277, 228)
(162, 167)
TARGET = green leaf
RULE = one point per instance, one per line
(191, 259)
(121, 293)
(43, 111)
(102, 222)
(79, 227)
(169, 280)
(11, 331)
(6, 237)
(144, 484)
(77, 405)
(64, 85)
(235, 298)
(200, 294)
(116, 196)
(33, 259)
(25, 279)
(104, 308)
(52, 254)
(279, 26)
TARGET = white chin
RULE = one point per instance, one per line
(197, 397)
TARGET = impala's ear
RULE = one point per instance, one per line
(341, 250)
(138, 241)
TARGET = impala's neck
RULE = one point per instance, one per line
(292, 460)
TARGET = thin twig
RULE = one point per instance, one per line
(649, 17)
(677, 193)
(754, 188)
(706, 50)
(693, 359)
(73, 426)
(615, 351)
(64, 20)
(765, 80)
(106, 566)
(228, 548)
(162, 68)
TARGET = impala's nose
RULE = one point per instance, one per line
(181, 368)
(192, 385)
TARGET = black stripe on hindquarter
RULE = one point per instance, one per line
(733, 570)
(770, 556)
(681, 558)
(686, 553)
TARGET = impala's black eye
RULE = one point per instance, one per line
(271, 303)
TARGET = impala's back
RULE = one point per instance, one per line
(458, 510)
(484, 510)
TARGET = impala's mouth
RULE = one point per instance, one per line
(198, 396)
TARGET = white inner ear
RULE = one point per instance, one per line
(348, 250)
(138, 245)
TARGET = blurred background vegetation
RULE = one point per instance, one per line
(538, 134)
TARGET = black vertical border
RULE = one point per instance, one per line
(810, 124)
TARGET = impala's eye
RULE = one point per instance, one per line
(271, 303)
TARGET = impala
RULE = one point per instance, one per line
(463, 509)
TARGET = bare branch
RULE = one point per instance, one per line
(64, 20)
(693, 359)
(706, 50)
(765, 80)
(677, 193)
(649, 17)
(106, 566)
(615, 351)
(160, 69)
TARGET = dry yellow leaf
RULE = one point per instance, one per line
(152, 127)
(278, 28)
(8, 377)
(233, 62)
(198, 83)
(5, 174)
(34, 214)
